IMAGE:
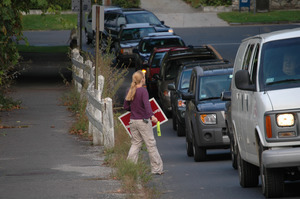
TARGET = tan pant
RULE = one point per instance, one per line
(140, 132)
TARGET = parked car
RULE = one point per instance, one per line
(90, 34)
(155, 40)
(265, 110)
(226, 96)
(114, 17)
(180, 86)
(153, 67)
(170, 65)
(128, 38)
(204, 117)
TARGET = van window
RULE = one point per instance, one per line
(253, 72)
(280, 64)
(247, 57)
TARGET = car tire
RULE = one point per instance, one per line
(180, 130)
(87, 39)
(233, 154)
(248, 173)
(189, 148)
(199, 153)
(272, 180)
(174, 122)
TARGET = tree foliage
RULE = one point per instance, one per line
(10, 32)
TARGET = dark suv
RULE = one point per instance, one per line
(170, 65)
(153, 67)
(180, 86)
(155, 40)
(128, 38)
(114, 17)
(204, 117)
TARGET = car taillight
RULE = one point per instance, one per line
(167, 93)
(181, 103)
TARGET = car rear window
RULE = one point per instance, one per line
(185, 79)
(142, 18)
(136, 33)
(157, 59)
(148, 45)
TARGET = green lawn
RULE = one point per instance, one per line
(49, 22)
(267, 17)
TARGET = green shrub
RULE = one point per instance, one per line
(63, 5)
(198, 3)
(127, 3)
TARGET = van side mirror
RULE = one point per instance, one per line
(188, 96)
(242, 80)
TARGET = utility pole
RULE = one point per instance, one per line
(80, 26)
(97, 47)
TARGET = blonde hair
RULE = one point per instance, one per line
(137, 77)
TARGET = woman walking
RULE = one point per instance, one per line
(137, 102)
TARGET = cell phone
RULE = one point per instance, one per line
(145, 120)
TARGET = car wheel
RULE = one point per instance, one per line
(174, 122)
(199, 153)
(233, 154)
(180, 130)
(272, 180)
(87, 39)
(189, 148)
(248, 173)
(94, 40)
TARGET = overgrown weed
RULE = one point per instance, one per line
(76, 103)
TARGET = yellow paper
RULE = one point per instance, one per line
(158, 129)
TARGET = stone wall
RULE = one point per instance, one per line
(273, 4)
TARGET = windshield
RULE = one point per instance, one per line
(136, 33)
(185, 79)
(148, 45)
(280, 64)
(211, 87)
(157, 59)
(143, 18)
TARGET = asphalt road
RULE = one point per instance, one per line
(214, 178)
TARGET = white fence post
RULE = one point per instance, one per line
(98, 110)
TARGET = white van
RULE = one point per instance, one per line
(265, 105)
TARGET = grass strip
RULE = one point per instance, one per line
(49, 22)
(265, 17)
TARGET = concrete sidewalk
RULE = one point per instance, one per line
(38, 157)
(178, 14)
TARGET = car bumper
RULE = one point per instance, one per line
(213, 138)
(126, 58)
(278, 158)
